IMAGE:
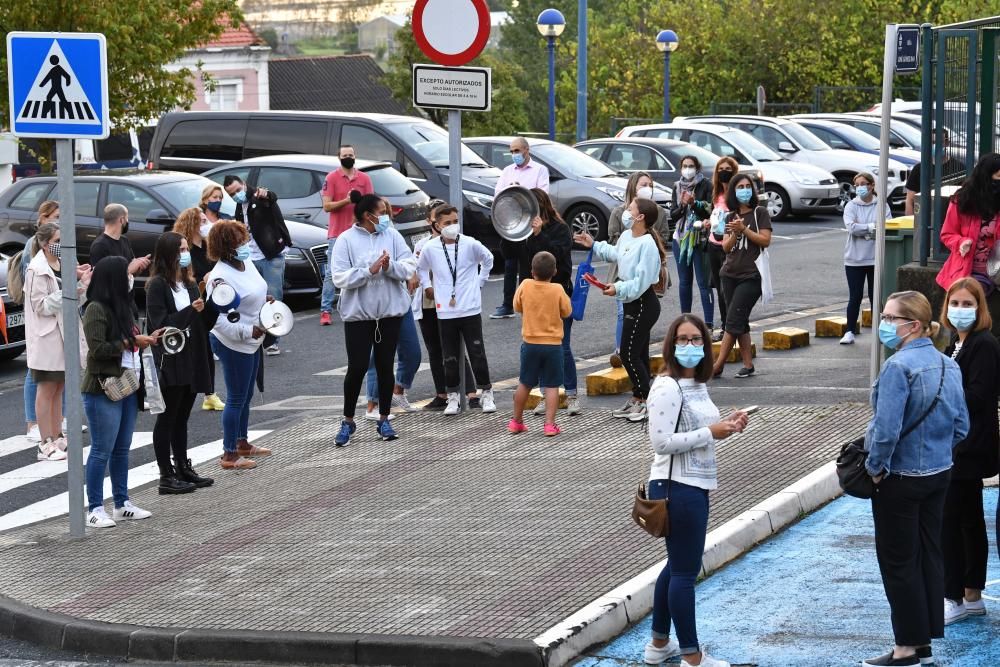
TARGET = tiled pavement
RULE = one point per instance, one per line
(457, 529)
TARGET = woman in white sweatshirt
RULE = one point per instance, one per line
(371, 265)
(684, 425)
(861, 215)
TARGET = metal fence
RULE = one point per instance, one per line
(838, 99)
(750, 108)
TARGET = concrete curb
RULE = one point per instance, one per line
(200, 646)
(609, 615)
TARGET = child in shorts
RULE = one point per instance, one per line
(543, 306)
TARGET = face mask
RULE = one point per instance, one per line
(240, 197)
(688, 173)
(450, 232)
(518, 159)
(131, 282)
(645, 192)
(55, 249)
(743, 195)
(205, 229)
(961, 318)
(862, 191)
(125, 228)
(725, 175)
(243, 252)
(185, 260)
(689, 355)
(888, 335)
(347, 162)
(383, 223)
(214, 206)
(627, 219)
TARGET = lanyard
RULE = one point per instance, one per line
(451, 268)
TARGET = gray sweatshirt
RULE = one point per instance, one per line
(368, 296)
(860, 219)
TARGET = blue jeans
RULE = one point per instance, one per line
(111, 426)
(673, 597)
(569, 361)
(239, 370)
(329, 291)
(407, 358)
(30, 392)
(618, 327)
(700, 270)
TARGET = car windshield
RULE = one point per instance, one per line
(432, 143)
(909, 133)
(186, 193)
(856, 137)
(572, 162)
(804, 137)
(390, 183)
(750, 146)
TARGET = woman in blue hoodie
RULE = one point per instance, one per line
(861, 215)
(371, 266)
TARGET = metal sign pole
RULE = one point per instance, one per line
(455, 195)
(888, 72)
(71, 331)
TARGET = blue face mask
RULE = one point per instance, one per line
(185, 260)
(384, 221)
(744, 195)
(862, 191)
(240, 197)
(243, 252)
(689, 355)
(518, 159)
(627, 219)
(961, 318)
(888, 335)
(214, 206)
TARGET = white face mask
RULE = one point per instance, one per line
(645, 192)
(205, 229)
(450, 232)
(688, 172)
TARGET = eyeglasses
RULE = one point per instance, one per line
(889, 319)
(689, 340)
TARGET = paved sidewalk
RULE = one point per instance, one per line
(457, 530)
(813, 596)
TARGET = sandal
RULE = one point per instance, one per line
(244, 448)
(48, 451)
(238, 464)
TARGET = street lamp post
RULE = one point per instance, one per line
(551, 24)
(666, 41)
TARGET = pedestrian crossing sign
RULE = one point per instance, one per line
(58, 85)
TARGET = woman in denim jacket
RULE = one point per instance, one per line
(919, 416)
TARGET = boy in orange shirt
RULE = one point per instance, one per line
(543, 306)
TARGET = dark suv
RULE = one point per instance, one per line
(196, 141)
(154, 199)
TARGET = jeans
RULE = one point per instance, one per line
(640, 318)
(963, 535)
(856, 276)
(908, 518)
(716, 258)
(620, 305)
(329, 291)
(407, 358)
(239, 371)
(365, 339)
(432, 341)
(30, 392)
(696, 266)
(170, 432)
(470, 329)
(111, 426)
(569, 361)
(673, 597)
(510, 282)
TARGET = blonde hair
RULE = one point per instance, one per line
(47, 210)
(206, 193)
(915, 306)
(972, 286)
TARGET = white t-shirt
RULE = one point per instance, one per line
(181, 297)
(238, 336)
(471, 268)
(130, 359)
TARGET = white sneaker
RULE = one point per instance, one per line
(977, 608)
(130, 511)
(848, 338)
(454, 404)
(49, 451)
(706, 661)
(638, 413)
(98, 518)
(401, 402)
(374, 416)
(34, 435)
(539, 409)
(83, 427)
(658, 656)
(954, 611)
(624, 411)
(573, 405)
(489, 405)
(272, 350)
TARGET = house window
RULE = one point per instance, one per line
(226, 96)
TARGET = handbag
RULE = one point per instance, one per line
(763, 264)
(653, 516)
(122, 386)
(581, 287)
(851, 471)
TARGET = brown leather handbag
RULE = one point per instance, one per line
(653, 516)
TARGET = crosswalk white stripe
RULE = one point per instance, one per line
(14, 444)
(58, 505)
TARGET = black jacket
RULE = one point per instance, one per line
(267, 225)
(557, 238)
(702, 208)
(978, 456)
(201, 265)
(191, 366)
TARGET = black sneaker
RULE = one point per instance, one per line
(888, 661)
(474, 403)
(437, 404)
(745, 372)
(925, 655)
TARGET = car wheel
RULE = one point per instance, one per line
(589, 219)
(778, 205)
(846, 192)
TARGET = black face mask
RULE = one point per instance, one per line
(347, 162)
(125, 228)
(724, 176)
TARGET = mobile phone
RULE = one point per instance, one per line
(592, 279)
(750, 410)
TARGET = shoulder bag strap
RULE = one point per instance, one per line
(930, 408)
(677, 427)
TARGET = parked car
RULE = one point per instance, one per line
(797, 143)
(905, 130)
(298, 182)
(198, 141)
(838, 133)
(583, 190)
(154, 199)
(13, 345)
(661, 158)
(789, 187)
(120, 150)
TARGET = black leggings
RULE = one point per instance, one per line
(963, 536)
(640, 318)
(856, 276)
(432, 341)
(170, 432)
(471, 330)
(716, 258)
(361, 337)
(742, 295)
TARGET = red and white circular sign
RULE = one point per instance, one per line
(451, 32)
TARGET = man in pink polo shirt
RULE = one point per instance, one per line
(337, 202)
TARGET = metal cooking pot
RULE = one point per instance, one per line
(512, 212)
(276, 319)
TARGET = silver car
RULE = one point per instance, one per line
(583, 190)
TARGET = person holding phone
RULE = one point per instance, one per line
(725, 168)
(692, 205)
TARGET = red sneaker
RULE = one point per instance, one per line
(515, 427)
(551, 430)
(325, 320)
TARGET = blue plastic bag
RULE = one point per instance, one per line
(581, 287)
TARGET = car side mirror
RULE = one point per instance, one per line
(786, 147)
(158, 216)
